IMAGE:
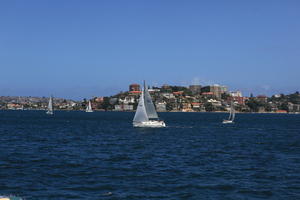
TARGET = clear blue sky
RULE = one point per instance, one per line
(78, 49)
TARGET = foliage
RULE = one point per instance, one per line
(209, 107)
(254, 104)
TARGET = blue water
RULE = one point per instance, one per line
(78, 155)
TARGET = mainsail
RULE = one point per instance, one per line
(232, 113)
(50, 106)
(89, 107)
(149, 106)
(141, 114)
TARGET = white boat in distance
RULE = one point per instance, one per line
(146, 115)
(50, 107)
(231, 117)
(89, 107)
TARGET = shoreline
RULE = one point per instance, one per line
(158, 111)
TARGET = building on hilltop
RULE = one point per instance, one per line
(262, 98)
(236, 94)
(217, 90)
(134, 87)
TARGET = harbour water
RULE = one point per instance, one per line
(78, 155)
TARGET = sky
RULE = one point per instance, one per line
(80, 49)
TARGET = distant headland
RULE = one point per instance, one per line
(167, 98)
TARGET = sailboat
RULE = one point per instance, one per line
(50, 107)
(146, 115)
(231, 116)
(89, 107)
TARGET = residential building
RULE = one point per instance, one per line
(134, 87)
(195, 89)
(217, 90)
(161, 107)
(123, 107)
(236, 94)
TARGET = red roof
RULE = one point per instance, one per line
(135, 92)
(207, 93)
(179, 92)
(281, 111)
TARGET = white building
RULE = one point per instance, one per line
(236, 94)
(161, 106)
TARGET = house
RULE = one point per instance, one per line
(123, 107)
(161, 107)
(127, 100)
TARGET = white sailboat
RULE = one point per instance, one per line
(50, 107)
(231, 117)
(89, 107)
(146, 115)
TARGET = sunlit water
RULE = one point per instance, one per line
(78, 155)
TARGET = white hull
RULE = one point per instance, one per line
(227, 121)
(89, 111)
(49, 112)
(150, 124)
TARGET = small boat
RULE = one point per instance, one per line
(231, 117)
(89, 107)
(146, 115)
(50, 107)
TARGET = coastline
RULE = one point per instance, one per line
(173, 111)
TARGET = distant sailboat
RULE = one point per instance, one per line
(89, 107)
(146, 115)
(231, 117)
(50, 107)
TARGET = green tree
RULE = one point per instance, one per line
(209, 107)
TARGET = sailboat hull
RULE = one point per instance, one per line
(227, 121)
(150, 124)
(49, 112)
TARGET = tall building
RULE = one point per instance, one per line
(134, 87)
(196, 89)
(217, 90)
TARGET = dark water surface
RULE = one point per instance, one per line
(78, 155)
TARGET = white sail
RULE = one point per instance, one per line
(50, 107)
(233, 113)
(89, 107)
(149, 106)
(230, 114)
(141, 114)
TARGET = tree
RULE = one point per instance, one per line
(284, 106)
(209, 107)
(105, 104)
(254, 105)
